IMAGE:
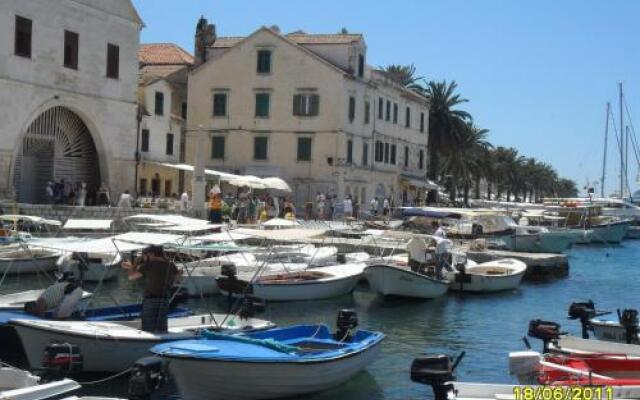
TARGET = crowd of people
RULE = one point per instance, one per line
(246, 207)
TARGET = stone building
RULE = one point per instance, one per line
(162, 95)
(307, 108)
(68, 73)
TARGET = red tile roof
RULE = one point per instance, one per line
(163, 54)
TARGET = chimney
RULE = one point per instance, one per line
(205, 38)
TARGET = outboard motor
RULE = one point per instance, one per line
(547, 331)
(229, 270)
(250, 307)
(347, 321)
(584, 312)
(629, 321)
(436, 371)
(61, 360)
(147, 376)
(229, 282)
(341, 258)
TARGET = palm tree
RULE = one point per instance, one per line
(462, 161)
(405, 75)
(444, 118)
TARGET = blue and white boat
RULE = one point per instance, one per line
(282, 362)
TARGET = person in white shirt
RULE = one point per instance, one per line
(386, 208)
(320, 204)
(184, 201)
(440, 232)
(82, 194)
(373, 206)
(125, 200)
(347, 207)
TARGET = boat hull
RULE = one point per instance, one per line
(545, 242)
(28, 265)
(214, 379)
(306, 291)
(486, 284)
(391, 281)
(609, 233)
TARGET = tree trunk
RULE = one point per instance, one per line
(466, 194)
(477, 188)
(488, 190)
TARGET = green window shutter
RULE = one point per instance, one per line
(315, 104)
(262, 105)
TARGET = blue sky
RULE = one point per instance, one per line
(537, 73)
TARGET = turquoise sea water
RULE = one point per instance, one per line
(487, 327)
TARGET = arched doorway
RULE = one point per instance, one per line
(57, 146)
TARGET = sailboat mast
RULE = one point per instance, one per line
(604, 155)
(621, 144)
(626, 162)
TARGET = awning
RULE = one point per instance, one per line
(236, 180)
(29, 218)
(419, 182)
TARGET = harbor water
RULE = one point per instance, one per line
(486, 327)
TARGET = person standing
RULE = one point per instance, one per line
(159, 276)
(82, 194)
(373, 206)
(215, 207)
(386, 207)
(320, 204)
(49, 193)
(184, 201)
(125, 200)
(347, 207)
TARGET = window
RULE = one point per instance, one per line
(387, 116)
(144, 141)
(365, 154)
(262, 105)
(421, 122)
(219, 104)
(421, 160)
(349, 151)
(380, 107)
(367, 112)
(379, 149)
(22, 44)
(169, 144)
(352, 108)
(386, 153)
(260, 148)
(167, 188)
(264, 61)
(159, 104)
(217, 147)
(407, 119)
(113, 61)
(361, 65)
(406, 156)
(142, 190)
(70, 49)
(183, 111)
(393, 154)
(306, 105)
(304, 149)
(395, 113)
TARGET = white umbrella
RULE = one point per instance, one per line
(248, 180)
(277, 184)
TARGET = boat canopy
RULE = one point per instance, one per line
(88, 224)
(283, 234)
(29, 218)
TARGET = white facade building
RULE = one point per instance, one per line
(162, 95)
(68, 78)
(307, 108)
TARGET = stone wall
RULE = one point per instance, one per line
(62, 213)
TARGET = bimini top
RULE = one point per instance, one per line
(295, 344)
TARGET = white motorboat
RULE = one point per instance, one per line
(576, 345)
(401, 280)
(115, 346)
(16, 384)
(16, 301)
(91, 267)
(26, 260)
(308, 284)
(492, 276)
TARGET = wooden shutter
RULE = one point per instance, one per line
(315, 104)
(297, 100)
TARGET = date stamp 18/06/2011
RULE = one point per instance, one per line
(563, 392)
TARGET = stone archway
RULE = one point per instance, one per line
(56, 146)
